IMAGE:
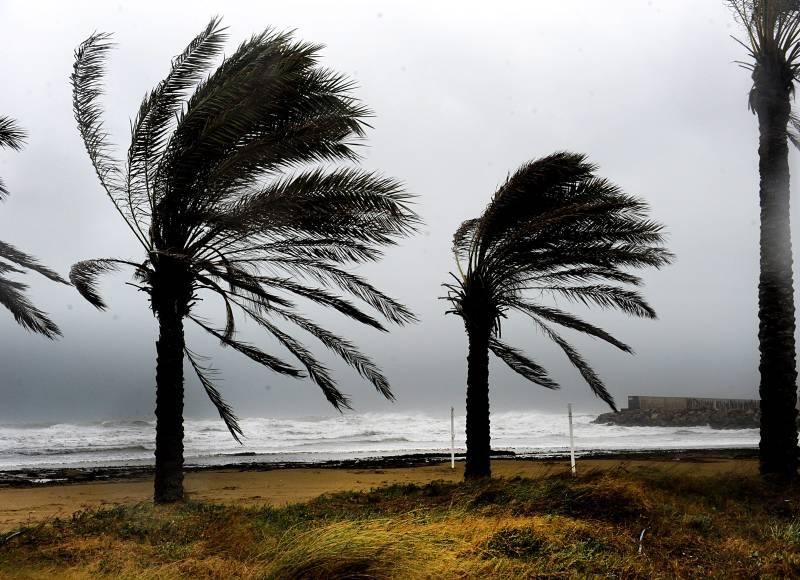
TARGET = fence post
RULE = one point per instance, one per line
(571, 441)
(452, 439)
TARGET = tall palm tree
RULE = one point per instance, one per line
(773, 43)
(552, 229)
(12, 293)
(228, 187)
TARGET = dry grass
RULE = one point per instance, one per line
(695, 526)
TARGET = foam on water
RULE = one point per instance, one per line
(131, 442)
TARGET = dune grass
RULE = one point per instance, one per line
(694, 526)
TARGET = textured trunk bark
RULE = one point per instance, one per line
(169, 409)
(478, 433)
(778, 387)
(170, 299)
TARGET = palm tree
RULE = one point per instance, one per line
(773, 43)
(555, 229)
(228, 186)
(12, 294)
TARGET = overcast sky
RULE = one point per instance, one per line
(463, 94)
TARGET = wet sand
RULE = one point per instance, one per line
(29, 505)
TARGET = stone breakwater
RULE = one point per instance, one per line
(714, 418)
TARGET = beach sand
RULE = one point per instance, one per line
(29, 505)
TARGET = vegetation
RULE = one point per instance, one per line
(229, 188)
(557, 229)
(12, 293)
(642, 523)
(773, 44)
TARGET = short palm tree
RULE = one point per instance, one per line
(773, 44)
(12, 293)
(229, 188)
(552, 229)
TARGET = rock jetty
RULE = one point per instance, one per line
(715, 418)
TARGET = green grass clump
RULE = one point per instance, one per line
(521, 543)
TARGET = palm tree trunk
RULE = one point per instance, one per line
(169, 403)
(478, 433)
(778, 387)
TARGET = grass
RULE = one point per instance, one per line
(694, 526)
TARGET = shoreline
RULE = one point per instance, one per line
(29, 504)
(61, 476)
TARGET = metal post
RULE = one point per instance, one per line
(452, 439)
(571, 441)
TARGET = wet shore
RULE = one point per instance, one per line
(38, 477)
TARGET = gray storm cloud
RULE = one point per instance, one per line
(463, 93)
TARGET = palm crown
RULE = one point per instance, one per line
(554, 229)
(227, 189)
(773, 45)
(12, 293)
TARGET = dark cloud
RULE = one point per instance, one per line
(463, 94)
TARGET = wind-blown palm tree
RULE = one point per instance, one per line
(552, 229)
(12, 293)
(225, 189)
(773, 43)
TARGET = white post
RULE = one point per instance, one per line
(452, 439)
(571, 441)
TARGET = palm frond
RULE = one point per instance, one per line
(241, 284)
(793, 131)
(151, 130)
(317, 372)
(12, 296)
(266, 106)
(8, 268)
(324, 273)
(321, 296)
(84, 274)
(629, 301)
(12, 254)
(12, 137)
(571, 321)
(521, 364)
(87, 88)
(552, 176)
(586, 274)
(340, 346)
(267, 360)
(587, 372)
(336, 250)
(345, 203)
(205, 374)
(230, 321)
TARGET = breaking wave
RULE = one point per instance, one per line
(207, 441)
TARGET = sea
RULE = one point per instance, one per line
(341, 437)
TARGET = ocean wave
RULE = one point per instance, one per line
(77, 450)
(127, 441)
(329, 440)
(127, 423)
(24, 426)
(222, 429)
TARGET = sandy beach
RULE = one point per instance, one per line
(28, 505)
